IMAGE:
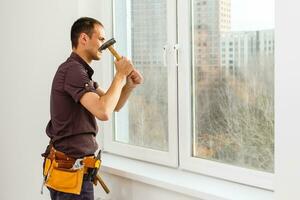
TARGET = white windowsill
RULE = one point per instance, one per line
(191, 184)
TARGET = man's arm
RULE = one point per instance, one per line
(126, 91)
(103, 106)
(100, 92)
(134, 79)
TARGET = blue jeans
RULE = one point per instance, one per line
(87, 192)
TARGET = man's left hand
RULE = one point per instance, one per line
(133, 79)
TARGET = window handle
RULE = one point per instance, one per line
(176, 47)
(165, 55)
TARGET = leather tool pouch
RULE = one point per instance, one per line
(62, 179)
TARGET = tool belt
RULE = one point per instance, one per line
(65, 174)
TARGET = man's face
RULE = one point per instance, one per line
(94, 43)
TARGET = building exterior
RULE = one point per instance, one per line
(241, 49)
(211, 18)
(149, 32)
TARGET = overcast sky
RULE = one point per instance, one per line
(252, 15)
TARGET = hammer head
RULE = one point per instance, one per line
(107, 44)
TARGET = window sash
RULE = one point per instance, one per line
(169, 158)
(185, 94)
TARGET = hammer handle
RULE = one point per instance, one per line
(113, 51)
(98, 178)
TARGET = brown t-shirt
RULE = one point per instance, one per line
(72, 128)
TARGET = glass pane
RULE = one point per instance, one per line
(233, 82)
(144, 121)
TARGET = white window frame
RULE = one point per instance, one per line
(180, 135)
(187, 161)
(169, 158)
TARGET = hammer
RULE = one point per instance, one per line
(108, 44)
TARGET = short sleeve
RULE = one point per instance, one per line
(77, 82)
(96, 85)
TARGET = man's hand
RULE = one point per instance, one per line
(124, 66)
(134, 79)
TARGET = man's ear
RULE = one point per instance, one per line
(83, 38)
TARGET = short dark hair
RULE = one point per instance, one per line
(82, 25)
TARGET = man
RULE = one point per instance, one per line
(76, 99)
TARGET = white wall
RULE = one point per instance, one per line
(287, 100)
(34, 38)
(123, 188)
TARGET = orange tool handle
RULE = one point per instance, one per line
(113, 51)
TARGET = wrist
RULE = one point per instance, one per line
(121, 77)
(129, 87)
